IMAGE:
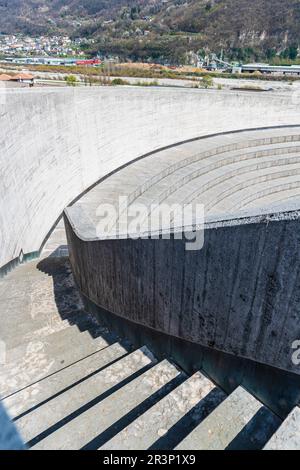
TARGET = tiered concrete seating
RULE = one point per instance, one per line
(229, 174)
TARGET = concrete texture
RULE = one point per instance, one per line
(28, 363)
(39, 423)
(39, 302)
(104, 417)
(238, 294)
(232, 295)
(42, 390)
(56, 245)
(107, 394)
(56, 143)
(57, 378)
(287, 437)
(232, 175)
(165, 423)
(226, 427)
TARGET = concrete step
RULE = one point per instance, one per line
(172, 417)
(240, 422)
(274, 201)
(287, 437)
(39, 332)
(28, 363)
(44, 420)
(182, 172)
(42, 295)
(216, 186)
(35, 330)
(35, 395)
(259, 186)
(98, 423)
(176, 167)
(185, 176)
(218, 183)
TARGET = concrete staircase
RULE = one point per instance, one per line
(233, 174)
(73, 385)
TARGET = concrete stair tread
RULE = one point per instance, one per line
(37, 329)
(250, 191)
(39, 421)
(161, 425)
(229, 177)
(31, 362)
(287, 437)
(202, 162)
(240, 422)
(32, 396)
(56, 342)
(37, 296)
(138, 180)
(104, 419)
(219, 163)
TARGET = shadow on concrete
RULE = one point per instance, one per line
(257, 432)
(67, 297)
(86, 406)
(189, 421)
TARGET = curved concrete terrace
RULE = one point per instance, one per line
(238, 294)
(57, 143)
(42, 383)
(234, 175)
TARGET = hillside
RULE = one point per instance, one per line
(153, 29)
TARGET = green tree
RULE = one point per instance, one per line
(71, 80)
(207, 81)
(270, 54)
(293, 52)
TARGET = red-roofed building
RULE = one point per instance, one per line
(23, 77)
(4, 77)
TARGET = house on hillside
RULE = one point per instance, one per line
(21, 78)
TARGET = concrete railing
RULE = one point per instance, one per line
(56, 143)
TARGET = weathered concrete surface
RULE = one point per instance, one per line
(39, 299)
(165, 423)
(42, 390)
(228, 426)
(97, 422)
(56, 245)
(238, 294)
(288, 435)
(36, 425)
(55, 143)
(232, 175)
(65, 392)
(44, 326)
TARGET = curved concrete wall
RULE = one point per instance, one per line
(239, 294)
(56, 143)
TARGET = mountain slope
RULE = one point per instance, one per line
(160, 28)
